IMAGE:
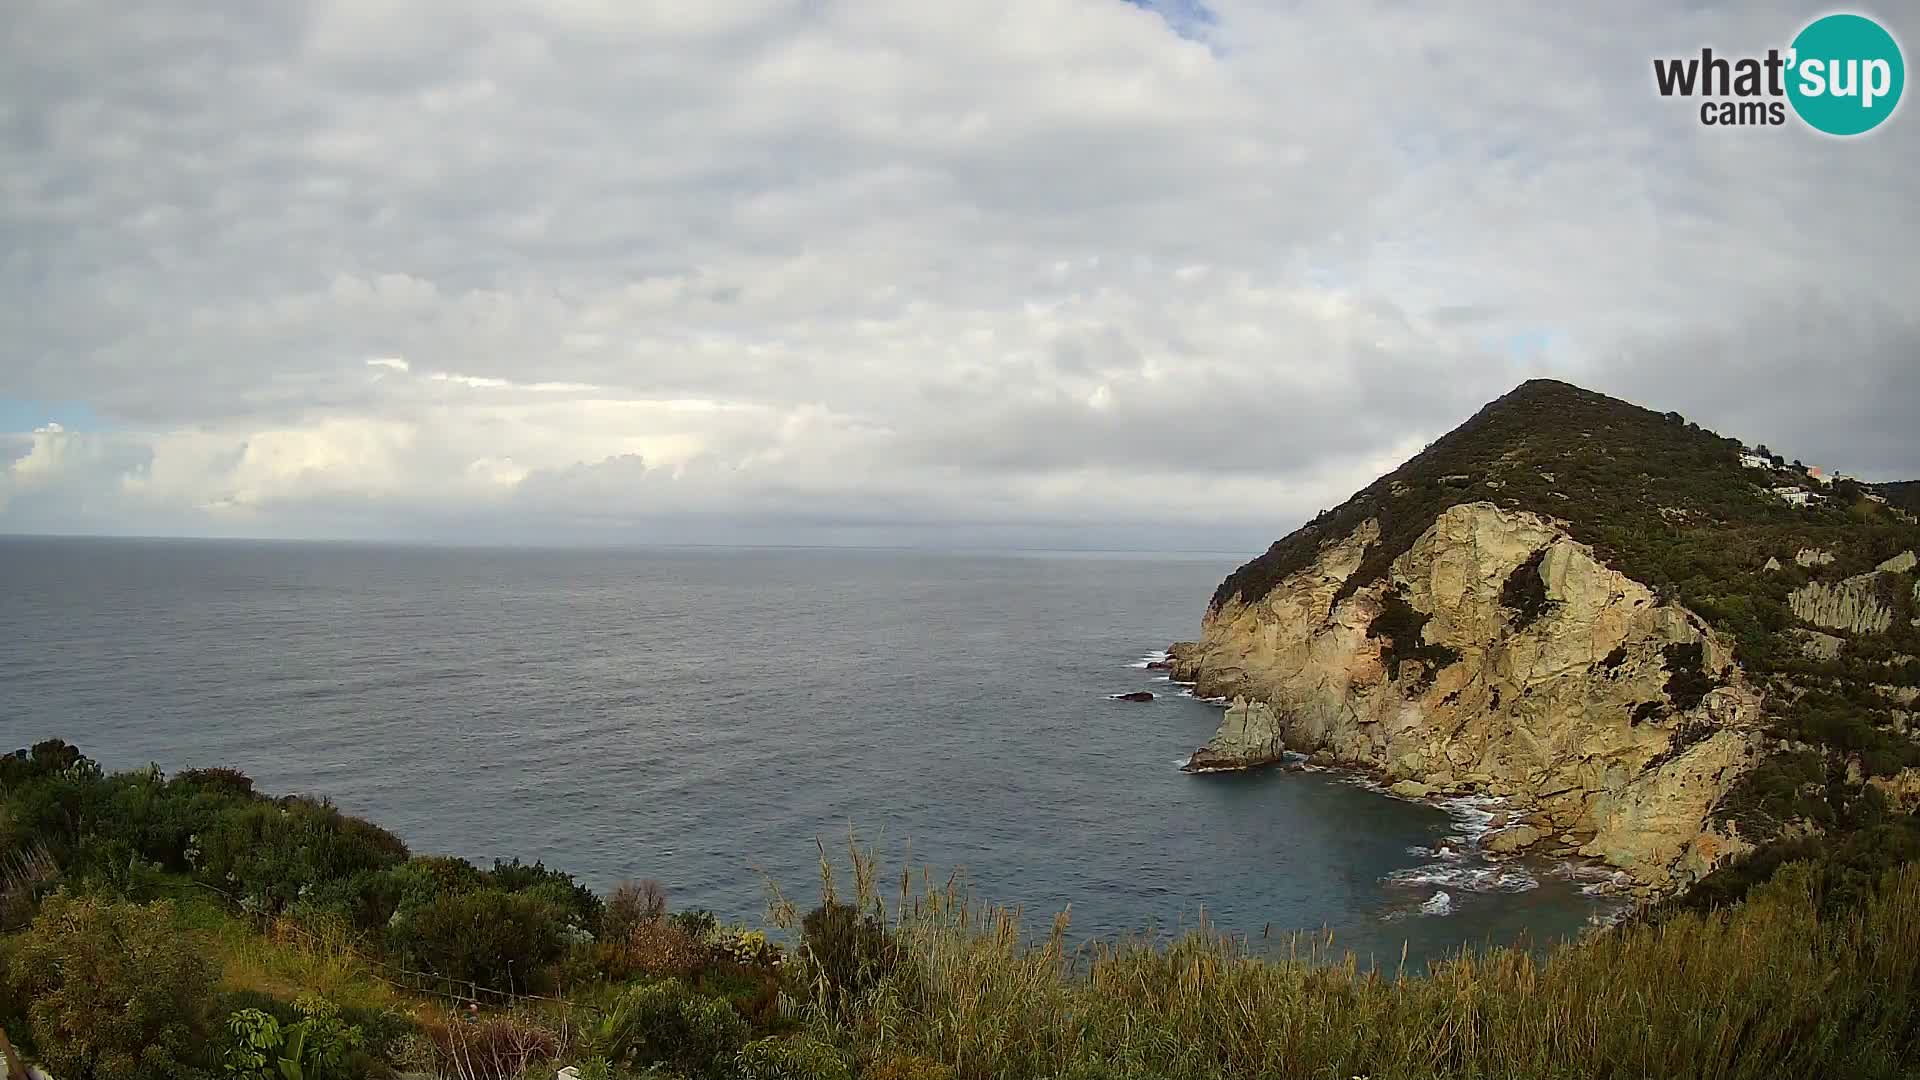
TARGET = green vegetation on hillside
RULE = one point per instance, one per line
(190, 927)
(1904, 494)
(1669, 504)
(1661, 499)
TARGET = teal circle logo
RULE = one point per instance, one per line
(1845, 74)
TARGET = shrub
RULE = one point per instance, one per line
(417, 882)
(907, 1067)
(660, 950)
(666, 1023)
(631, 904)
(699, 923)
(792, 1059)
(753, 992)
(488, 1046)
(1403, 626)
(847, 952)
(1525, 591)
(112, 990)
(490, 937)
(269, 855)
(748, 948)
(584, 909)
(219, 781)
(317, 1046)
(1687, 680)
(49, 758)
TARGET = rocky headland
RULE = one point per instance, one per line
(1452, 630)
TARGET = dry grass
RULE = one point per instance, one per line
(289, 958)
(1767, 989)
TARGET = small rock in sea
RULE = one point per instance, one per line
(1137, 695)
(1160, 665)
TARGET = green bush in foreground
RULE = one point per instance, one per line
(792, 1059)
(111, 992)
(666, 1023)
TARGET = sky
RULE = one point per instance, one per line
(1037, 273)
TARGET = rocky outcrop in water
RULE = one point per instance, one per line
(1595, 708)
(1249, 735)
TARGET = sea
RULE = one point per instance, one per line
(712, 718)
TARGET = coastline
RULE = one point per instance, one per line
(1458, 862)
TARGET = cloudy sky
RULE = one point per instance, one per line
(1038, 273)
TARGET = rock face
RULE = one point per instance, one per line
(1248, 735)
(1508, 841)
(1818, 646)
(1851, 604)
(1565, 708)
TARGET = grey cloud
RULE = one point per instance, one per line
(1069, 267)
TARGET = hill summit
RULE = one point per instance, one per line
(1660, 646)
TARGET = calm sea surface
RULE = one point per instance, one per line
(700, 716)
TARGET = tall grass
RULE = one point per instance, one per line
(1766, 989)
(285, 959)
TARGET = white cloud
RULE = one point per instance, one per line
(447, 270)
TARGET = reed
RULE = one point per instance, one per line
(1768, 988)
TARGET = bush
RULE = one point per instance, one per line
(270, 855)
(52, 757)
(417, 882)
(112, 990)
(1525, 591)
(666, 1023)
(489, 1046)
(318, 1045)
(753, 992)
(656, 950)
(1841, 869)
(1404, 626)
(792, 1059)
(631, 904)
(846, 952)
(1688, 683)
(489, 937)
(699, 923)
(907, 1067)
(584, 909)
